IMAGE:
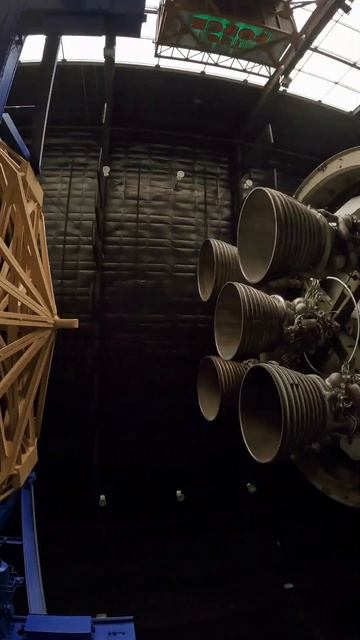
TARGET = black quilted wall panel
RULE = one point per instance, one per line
(153, 329)
(154, 228)
(69, 182)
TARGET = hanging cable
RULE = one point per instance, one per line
(356, 308)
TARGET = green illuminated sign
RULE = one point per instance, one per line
(227, 34)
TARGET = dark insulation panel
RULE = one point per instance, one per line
(153, 329)
(69, 182)
(154, 227)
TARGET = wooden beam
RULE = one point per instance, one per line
(33, 257)
(21, 297)
(18, 345)
(23, 470)
(22, 362)
(29, 400)
(25, 320)
(4, 302)
(45, 258)
(8, 256)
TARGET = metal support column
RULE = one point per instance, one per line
(43, 93)
(8, 70)
(104, 156)
(10, 48)
(10, 134)
(103, 173)
(235, 162)
(33, 578)
(104, 161)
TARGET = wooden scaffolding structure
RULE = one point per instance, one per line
(28, 319)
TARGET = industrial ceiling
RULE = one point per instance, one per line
(328, 72)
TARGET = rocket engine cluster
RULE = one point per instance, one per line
(287, 326)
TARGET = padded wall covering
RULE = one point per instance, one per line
(154, 228)
(153, 329)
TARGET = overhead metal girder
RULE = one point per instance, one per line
(324, 12)
(10, 134)
(10, 48)
(83, 17)
(8, 69)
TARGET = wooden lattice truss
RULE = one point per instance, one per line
(28, 319)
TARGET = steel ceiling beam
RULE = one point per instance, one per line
(10, 48)
(324, 12)
(332, 56)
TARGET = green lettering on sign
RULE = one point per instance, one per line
(227, 34)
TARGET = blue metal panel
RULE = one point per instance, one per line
(83, 17)
(10, 46)
(58, 627)
(8, 69)
(10, 135)
(110, 6)
(122, 628)
(101, 629)
(33, 578)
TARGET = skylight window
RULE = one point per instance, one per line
(335, 58)
(342, 41)
(86, 48)
(301, 16)
(324, 67)
(310, 86)
(353, 18)
(352, 79)
(341, 97)
(33, 49)
(149, 27)
(135, 51)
